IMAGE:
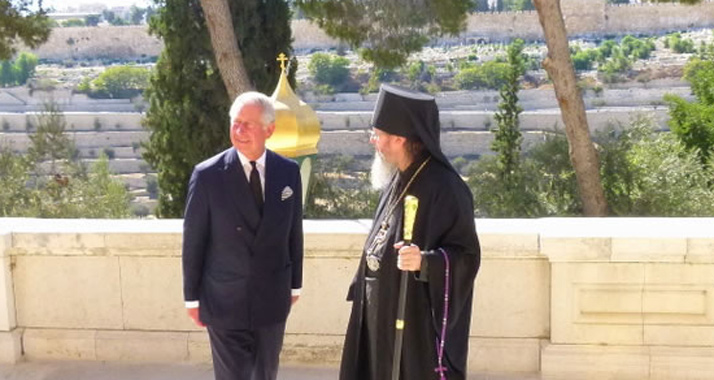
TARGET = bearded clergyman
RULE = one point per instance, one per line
(442, 258)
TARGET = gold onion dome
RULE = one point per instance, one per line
(297, 128)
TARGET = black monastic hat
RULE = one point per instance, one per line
(410, 114)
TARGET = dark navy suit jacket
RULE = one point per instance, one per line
(239, 265)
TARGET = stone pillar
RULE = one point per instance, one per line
(10, 336)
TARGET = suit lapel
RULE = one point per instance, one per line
(238, 190)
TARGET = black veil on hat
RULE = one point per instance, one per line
(410, 114)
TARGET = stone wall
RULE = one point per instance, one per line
(600, 298)
(582, 18)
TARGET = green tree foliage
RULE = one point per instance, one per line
(73, 22)
(653, 174)
(507, 135)
(18, 71)
(693, 122)
(329, 69)
(678, 44)
(92, 20)
(387, 32)
(491, 74)
(481, 6)
(50, 181)
(119, 82)
(118, 21)
(420, 76)
(22, 21)
(188, 111)
(108, 15)
(8, 74)
(584, 59)
(644, 173)
(636, 48)
(137, 14)
(613, 58)
(336, 192)
(518, 5)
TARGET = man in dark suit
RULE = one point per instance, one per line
(243, 245)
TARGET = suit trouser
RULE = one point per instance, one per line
(246, 354)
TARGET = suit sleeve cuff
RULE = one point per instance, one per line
(296, 292)
(191, 304)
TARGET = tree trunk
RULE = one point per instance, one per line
(559, 66)
(225, 47)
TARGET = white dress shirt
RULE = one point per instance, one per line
(247, 168)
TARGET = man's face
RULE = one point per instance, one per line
(390, 147)
(248, 134)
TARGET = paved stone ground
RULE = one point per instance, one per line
(68, 370)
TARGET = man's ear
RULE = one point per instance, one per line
(402, 141)
(269, 130)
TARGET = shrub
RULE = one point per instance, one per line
(644, 173)
(329, 69)
(637, 48)
(678, 44)
(110, 153)
(584, 59)
(73, 22)
(152, 187)
(337, 192)
(491, 75)
(121, 82)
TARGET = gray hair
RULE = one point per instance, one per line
(254, 98)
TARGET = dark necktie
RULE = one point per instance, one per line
(255, 186)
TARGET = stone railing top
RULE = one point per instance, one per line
(555, 239)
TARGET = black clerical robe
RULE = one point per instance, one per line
(444, 228)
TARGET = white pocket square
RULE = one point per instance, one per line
(287, 193)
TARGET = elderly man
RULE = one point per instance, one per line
(243, 245)
(442, 260)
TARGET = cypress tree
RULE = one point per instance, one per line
(188, 103)
(507, 142)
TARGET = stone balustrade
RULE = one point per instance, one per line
(608, 298)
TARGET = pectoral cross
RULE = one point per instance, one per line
(282, 58)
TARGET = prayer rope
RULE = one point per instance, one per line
(440, 341)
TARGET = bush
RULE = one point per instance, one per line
(121, 82)
(50, 182)
(491, 75)
(637, 48)
(644, 173)
(109, 152)
(73, 22)
(584, 59)
(329, 69)
(336, 192)
(152, 187)
(17, 72)
(140, 211)
(678, 44)
(693, 122)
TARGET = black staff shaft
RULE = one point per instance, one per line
(399, 334)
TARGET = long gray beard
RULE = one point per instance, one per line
(381, 173)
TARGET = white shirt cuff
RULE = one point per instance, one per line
(191, 304)
(296, 292)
